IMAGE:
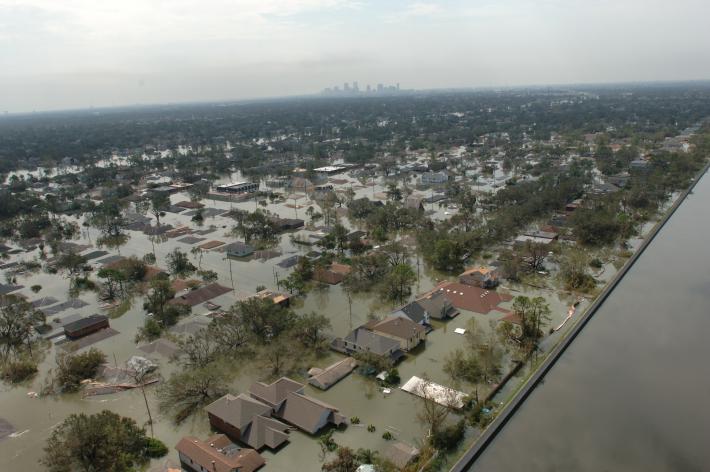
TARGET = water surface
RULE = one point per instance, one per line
(631, 392)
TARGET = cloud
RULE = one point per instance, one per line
(422, 9)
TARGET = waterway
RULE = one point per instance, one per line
(631, 392)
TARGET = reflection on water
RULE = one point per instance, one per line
(631, 392)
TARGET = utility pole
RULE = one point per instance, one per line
(350, 308)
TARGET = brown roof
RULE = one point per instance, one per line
(470, 298)
(211, 244)
(195, 297)
(396, 326)
(219, 454)
(189, 204)
(400, 454)
(276, 392)
(338, 268)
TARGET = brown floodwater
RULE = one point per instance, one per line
(34, 418)
(631, 392)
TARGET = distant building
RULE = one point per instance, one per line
(239, 249)
(238, 187)
(484, 277)
(434, 178)
(85, 326)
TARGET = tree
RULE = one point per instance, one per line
(393, 193)
(533, 315)
(101, 442)
(159, 202)
(72, 262)
(186, 392)
(278, 352)
(18, 322)
(179, 264)
(573, 270)
(157, 302)
(397, 284)
(340, 237)
(73, 368)
(108, 218)
(310, 329)
(113, 282)
(432, 414)
(263, 318)
(197, 252)
(534, 255)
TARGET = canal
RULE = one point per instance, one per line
(631, 392)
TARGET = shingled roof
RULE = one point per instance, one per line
(275, 393)
(219, 454)
(306, 412)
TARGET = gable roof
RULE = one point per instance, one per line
(402, 328)
(276, 392)
(264, 431)
(437, 305)
(219, 454)
(470, 298)
(372, 342)
(414, 311)
(237, 411)
(306, 412)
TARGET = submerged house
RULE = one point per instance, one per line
(484, 277)
(404, 331)
(238, 249)
(291, 405)
(85, 326)
(431, 306)
(363, 340)
(248, 421)
(217, 454)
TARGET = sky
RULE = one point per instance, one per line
(65, 54)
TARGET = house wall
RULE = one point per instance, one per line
(223, 427)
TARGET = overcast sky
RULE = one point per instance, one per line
(57, 54)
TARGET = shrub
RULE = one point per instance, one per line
(36, 288)
(387, 436)
(449, 437)
(392, 377)
(19, 371)
(355, 420)
(596, 263)
(155, 448)
(73, 368)
(371, 428)
(150, 331)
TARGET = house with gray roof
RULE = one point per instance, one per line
(247, 420)
(363, 340)
(432, 306)
(291, 405)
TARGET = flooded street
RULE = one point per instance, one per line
(631, 391)
(34, 418)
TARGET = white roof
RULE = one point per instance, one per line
(440, 394)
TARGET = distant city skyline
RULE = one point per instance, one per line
(72, 54)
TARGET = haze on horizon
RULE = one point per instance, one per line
(61, 54)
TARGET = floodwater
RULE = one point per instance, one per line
(34, 418)
(631, 392)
